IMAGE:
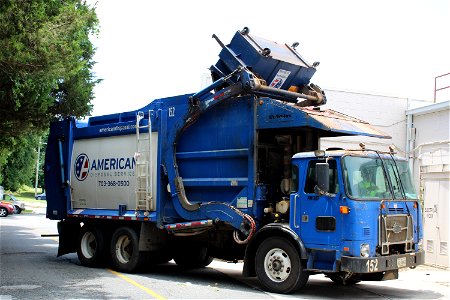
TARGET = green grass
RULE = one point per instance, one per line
(26, 194)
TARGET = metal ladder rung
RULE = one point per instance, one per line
(144, 173)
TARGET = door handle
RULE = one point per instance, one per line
(295, 212)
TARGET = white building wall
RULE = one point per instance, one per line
(386, 113)
(430, 147)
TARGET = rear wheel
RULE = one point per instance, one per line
(91, 247)
(193, 257)
(3, 212)
(124, 250)
(278, 266)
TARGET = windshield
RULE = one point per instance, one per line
(365, 179)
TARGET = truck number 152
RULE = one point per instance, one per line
(372, 265)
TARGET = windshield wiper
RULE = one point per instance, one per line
(397, 177)
(391, 188)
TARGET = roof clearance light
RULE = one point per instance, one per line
(319, 153)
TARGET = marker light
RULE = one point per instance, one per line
(293, 88)
(344, 209)
(319, 153)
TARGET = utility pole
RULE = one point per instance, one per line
(37, 168)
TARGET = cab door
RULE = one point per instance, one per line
(319, 215)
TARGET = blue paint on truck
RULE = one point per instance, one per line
(229, 172)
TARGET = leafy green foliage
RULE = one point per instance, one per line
(18, 170)
(45, 70)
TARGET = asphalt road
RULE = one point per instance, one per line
(29, 269)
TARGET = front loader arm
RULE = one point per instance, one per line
(244, 82)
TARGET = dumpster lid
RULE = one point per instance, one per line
(331, 120)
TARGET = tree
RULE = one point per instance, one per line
(45, 62)
(18, 170)
(45, 68)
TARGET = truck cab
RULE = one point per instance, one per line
(356, 212)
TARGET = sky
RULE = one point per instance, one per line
(148, 50)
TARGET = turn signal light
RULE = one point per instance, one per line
(344, 209)
(416, 205)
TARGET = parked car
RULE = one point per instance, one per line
(19, 206)
(6, 208)
(40, 196)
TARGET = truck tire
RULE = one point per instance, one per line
(278, 266)
(193, 257)
(91, 247)
(124, 250)
(3, 212)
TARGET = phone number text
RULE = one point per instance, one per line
(113, 183)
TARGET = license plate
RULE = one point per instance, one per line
(401, 262)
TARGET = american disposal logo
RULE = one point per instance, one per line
(82, 167)
(277, 83)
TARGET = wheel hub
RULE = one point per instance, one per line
(124, 249)
(277, 265)
(88, 245)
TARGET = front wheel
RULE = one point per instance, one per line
(278, 266)
(124, 250)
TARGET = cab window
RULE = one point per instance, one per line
(311, 178)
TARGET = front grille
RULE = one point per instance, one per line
(395, 230)
(395, 209)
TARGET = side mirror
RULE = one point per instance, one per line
(323, 177)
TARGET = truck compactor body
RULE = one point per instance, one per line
(233, 172)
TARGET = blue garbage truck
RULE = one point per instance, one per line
(235, 172)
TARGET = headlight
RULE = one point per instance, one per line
(365, 250)
(420, 245)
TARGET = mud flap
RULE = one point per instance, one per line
(68, 237)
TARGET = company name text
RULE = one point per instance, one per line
(106, 164)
